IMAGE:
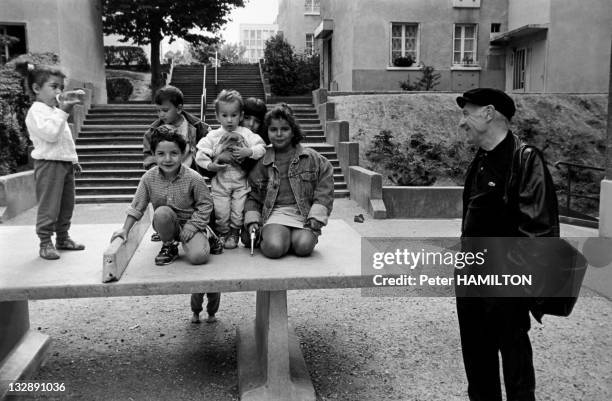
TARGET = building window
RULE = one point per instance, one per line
(464, 44)
(466, 3)
(309, 49)
(404, 44)
(312, 7)
(519, 59)
(12, 42)
(495, 27)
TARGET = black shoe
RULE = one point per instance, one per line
(167, 255)
(155, 237)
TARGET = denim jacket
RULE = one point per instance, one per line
(311, 179)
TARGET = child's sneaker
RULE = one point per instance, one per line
(68, 244)
(211, 319)
(195, 318)
(155, 237)
(48, 251)
(167, 254)
(231, 241)
(216, 245)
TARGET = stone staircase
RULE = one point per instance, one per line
(189, 79)
(110, 142)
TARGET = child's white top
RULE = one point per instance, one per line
(50, 134)
(207, 145)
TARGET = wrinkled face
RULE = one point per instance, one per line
(474, 122)
(229, 115)
(251, 122)
(280, 134)
(48, 92)
(168, 157)
(168, 112)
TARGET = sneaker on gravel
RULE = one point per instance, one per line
(48, 251)
(195, 318)
(167, 254)
(211, 319)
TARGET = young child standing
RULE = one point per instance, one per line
(55, 158)
(180, 198)
(229, 186)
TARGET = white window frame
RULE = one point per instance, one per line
(312, 7)
(462, 49)
(417, 50)
(309, 51)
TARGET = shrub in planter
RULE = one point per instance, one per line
(119, 88)
(403, 61)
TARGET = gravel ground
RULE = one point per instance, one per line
(355, 347)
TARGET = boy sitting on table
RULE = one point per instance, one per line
(180, 198)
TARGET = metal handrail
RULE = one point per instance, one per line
(169, 79)
(263, 80)
(571, 165)
(203, 99)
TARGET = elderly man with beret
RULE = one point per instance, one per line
(508, 192)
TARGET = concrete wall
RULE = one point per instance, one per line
(525, 12)
(537, 56)
(346, 23)
(70, 28)
(295, 24)
(17, 194)
(579, 46)
(423, 202)
(365, 187)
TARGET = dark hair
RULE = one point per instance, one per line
(167, 133)
(37, 74)
(284, 112)
(229, 96)
(171, 94)
(256, 108)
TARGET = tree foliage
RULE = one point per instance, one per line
(428, 82)
(148, 21)
(290, 73)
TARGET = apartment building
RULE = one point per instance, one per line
(253, 37)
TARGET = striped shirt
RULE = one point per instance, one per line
(187, 194)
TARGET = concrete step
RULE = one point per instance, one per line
(103, 198)
(116, 173)
(112, 164)
(112, 157)
(102, 190)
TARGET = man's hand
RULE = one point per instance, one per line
(187, 233)
(215, 167)
(77, 169)
(122, 233)
(241, 153)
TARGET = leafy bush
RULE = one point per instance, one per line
(290, 73)
(403, 61)
(121, 88)
(128, 57)
(429, 80)
(14, 105)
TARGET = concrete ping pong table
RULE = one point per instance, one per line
(270, 363)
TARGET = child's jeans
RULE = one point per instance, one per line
(229, 197)
(55, 194)
(167, 224)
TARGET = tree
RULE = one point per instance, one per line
(231, 53)
(148, 21)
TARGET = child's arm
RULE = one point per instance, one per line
(323, 196)
(203, 208)
(256, 148)
(136, 209)
(205, 153)
(257, 195)
(46, 123)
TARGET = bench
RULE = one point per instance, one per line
(270, 363)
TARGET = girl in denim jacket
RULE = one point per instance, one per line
(292, 190)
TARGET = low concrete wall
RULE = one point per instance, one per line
(17, 194)
(365, 187)
(319, 96)
(348, 155)
(327, 112)
(605, 209)
(336, 131)
(423, 202)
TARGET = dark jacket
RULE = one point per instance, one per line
(197, 130)
(311, 179)
(528, 201)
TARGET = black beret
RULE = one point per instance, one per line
(489, 96)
